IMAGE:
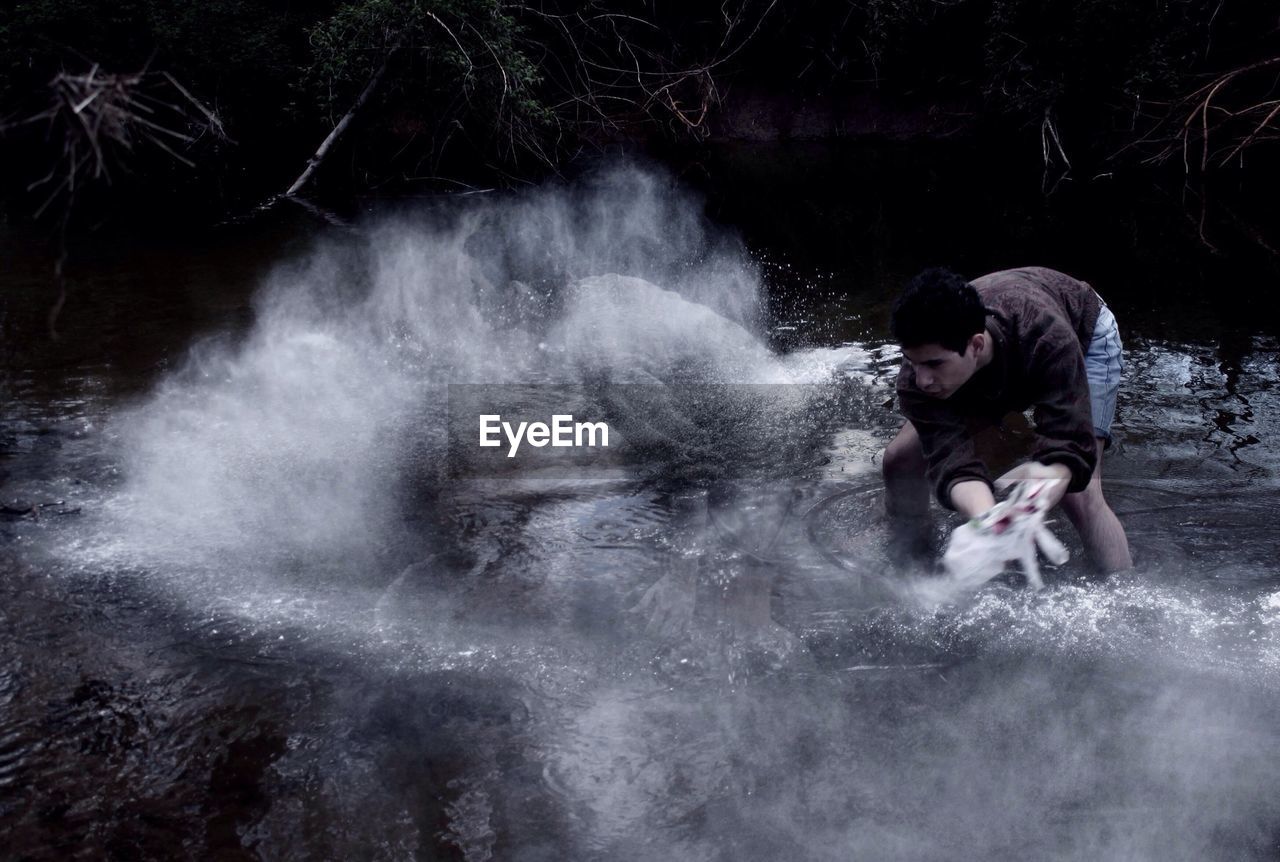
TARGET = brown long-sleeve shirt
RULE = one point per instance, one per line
(1041, 322)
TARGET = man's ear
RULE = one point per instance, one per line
(977, 342)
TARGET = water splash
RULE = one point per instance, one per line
(270, 483)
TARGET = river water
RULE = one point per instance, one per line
(260, 601)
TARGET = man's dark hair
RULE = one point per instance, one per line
(938, 307)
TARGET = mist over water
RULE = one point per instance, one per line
(692, 648)
(292, 440)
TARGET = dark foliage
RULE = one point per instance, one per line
(481, 90)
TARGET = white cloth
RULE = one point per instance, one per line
(1010, 530)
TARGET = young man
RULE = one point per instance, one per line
(976, 352)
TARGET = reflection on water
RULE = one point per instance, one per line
(279, 626)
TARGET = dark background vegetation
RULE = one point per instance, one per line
(481, 93)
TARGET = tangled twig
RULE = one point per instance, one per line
(93, 124)
(95, 120)
(1205, 117)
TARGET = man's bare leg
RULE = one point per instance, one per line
(1099, 528)
(906, 489)
(906, 498)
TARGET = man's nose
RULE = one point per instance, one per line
(924, 378)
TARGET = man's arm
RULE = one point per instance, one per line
(947, 440)
(1064, 427)
(971, 497)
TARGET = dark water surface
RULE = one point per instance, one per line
(254, 608)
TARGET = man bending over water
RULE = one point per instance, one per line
(975, 352)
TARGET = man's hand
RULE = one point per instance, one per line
(973, 498)
(1034, 470)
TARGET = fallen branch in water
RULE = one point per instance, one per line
(33, 510)
(327, 144)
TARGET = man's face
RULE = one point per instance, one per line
(940, 372)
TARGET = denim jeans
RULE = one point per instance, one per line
(1103, 366)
